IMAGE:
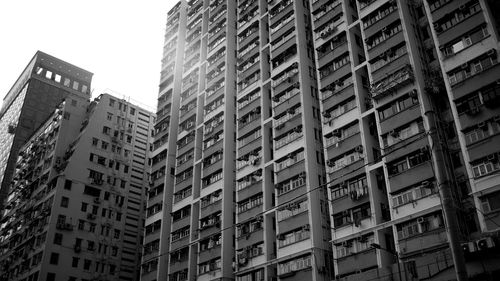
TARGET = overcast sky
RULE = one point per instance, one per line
(120, 41)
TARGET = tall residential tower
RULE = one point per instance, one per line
(44, 83)
(326, 139)
(75, 209)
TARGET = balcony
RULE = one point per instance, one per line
(249, 82)
(251, 145)
(250, 238)
(476, 81)
(293, 222)
(249, 106)
(330, 98)
(248, 17)
(289, 121)
(206, 255)
(245, 36)
(451, 33)
(399, 119)
(209, 169)
(424, 240)
(352, 170)
(217, 42)
(411, 143)
(335, 73)
(284, 81)
(284, 43)
(386, 43)
(217, 30)
(248, 51)
(411, 176)
(207, 209)
(288, 100)
(356, 261)
(390, 66)
(218, 8)
(375, 26)
(392, 82)
(181, 223)
(285, 26)
(293, 168)
(333, 52)
(331, 11)
(278, 12)
(483, 148)
(343, 146)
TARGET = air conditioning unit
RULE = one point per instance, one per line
(469, 247)
(394, 133)
(327, 114)
(491, 52)
(413, 93)
(420, 220)
(337, 133)
(425, 184)
(91, 216)
(485, 243)
(464, 66)
(97, 200)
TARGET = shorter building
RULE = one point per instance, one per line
(74, 211)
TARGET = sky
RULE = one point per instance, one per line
(120, 41)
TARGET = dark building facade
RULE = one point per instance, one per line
(44, 83)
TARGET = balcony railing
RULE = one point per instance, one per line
(393, 82)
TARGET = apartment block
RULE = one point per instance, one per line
(393, 138)
(42, 85)
(75, 207)
(193, 168)
(354, 154)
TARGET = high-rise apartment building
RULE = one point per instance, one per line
(353, 141)
(402, 169)
(191, 197)
(77, 199)
(44, 83)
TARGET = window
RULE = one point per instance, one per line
(490, 202)
(75, 85)
(67, 184)
(294, 265)
(419, 191)
(416, 158)
(87, 264)
(485, 168)
(95, 141)
(106, 130)
(74, 262)
(51, 276)
(54, 258)
(58, 237)
(294, 236)
(210, 265)
(291, 184)
(250, 203)
(420, 225)
(399, 105)
(64, 202)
